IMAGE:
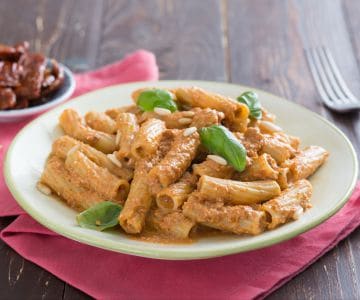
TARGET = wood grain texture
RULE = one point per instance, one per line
(270, 52)
(185, 37)
(66, 30)
(20, 278)
(258, 43)
(270, 55)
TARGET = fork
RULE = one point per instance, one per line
(329, 82)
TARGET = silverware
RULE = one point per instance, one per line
(329, 82)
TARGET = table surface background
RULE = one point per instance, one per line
(258, 43)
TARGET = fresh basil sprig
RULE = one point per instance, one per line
(149, 99)
(220, 141)
(251, 100)
(101, 216)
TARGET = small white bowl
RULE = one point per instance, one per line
(61, 95)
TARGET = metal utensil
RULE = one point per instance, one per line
(329, 82)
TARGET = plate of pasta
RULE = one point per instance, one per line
(180, 169)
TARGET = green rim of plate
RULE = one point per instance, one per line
(172, 253)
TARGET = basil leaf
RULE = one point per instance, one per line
(100, 216)
(250, 99)
(150, 99)
(220, 141)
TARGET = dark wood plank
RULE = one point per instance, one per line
(184, 35)
(351, 11)
(72, 293)
(19, 276)
(66, 30)
(266, 42)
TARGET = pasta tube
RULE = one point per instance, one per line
(176, 161)
(236, 113)
(100, 122)
(307, 162)
(67, 186)
(261, 168)
(206, 117)
(94, 177)
(127, 127)
(195, 117)
(277, 148)
(148, 138)
(72, 124)
(252, 140)
(173, 224)
(173, 196)
(113, 112)
(237, 192)
(63, 144)
(238, 219)
(213, 169)
(283, 179)
(137, 205)
(293, 141)
(290, 204)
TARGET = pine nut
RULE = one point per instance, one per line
(162, 111)
(43, 189)
(189, 131)
(218, 159)
(185, 121)
(188, 113)
(114, 160)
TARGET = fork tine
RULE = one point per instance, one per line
(334, 84)
(335, 70)
(316, 73)
(323, 77)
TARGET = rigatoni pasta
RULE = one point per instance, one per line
(237, 192)
(68, 186)
(138, 203)
(147, 140)
(73, 125)
(211, 168)
(95, 177)
(306, 162)
(101, 122)
(175, 162)
(173, 196)
(182, 159)
(236, 114)
(290, 204)
(238, 219)
(171, 223)
(62, 146)
(126, 130)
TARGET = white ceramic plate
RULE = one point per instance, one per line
(332, 184)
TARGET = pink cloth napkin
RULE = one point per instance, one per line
(109, 275)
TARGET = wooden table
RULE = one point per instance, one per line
(253, 42)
